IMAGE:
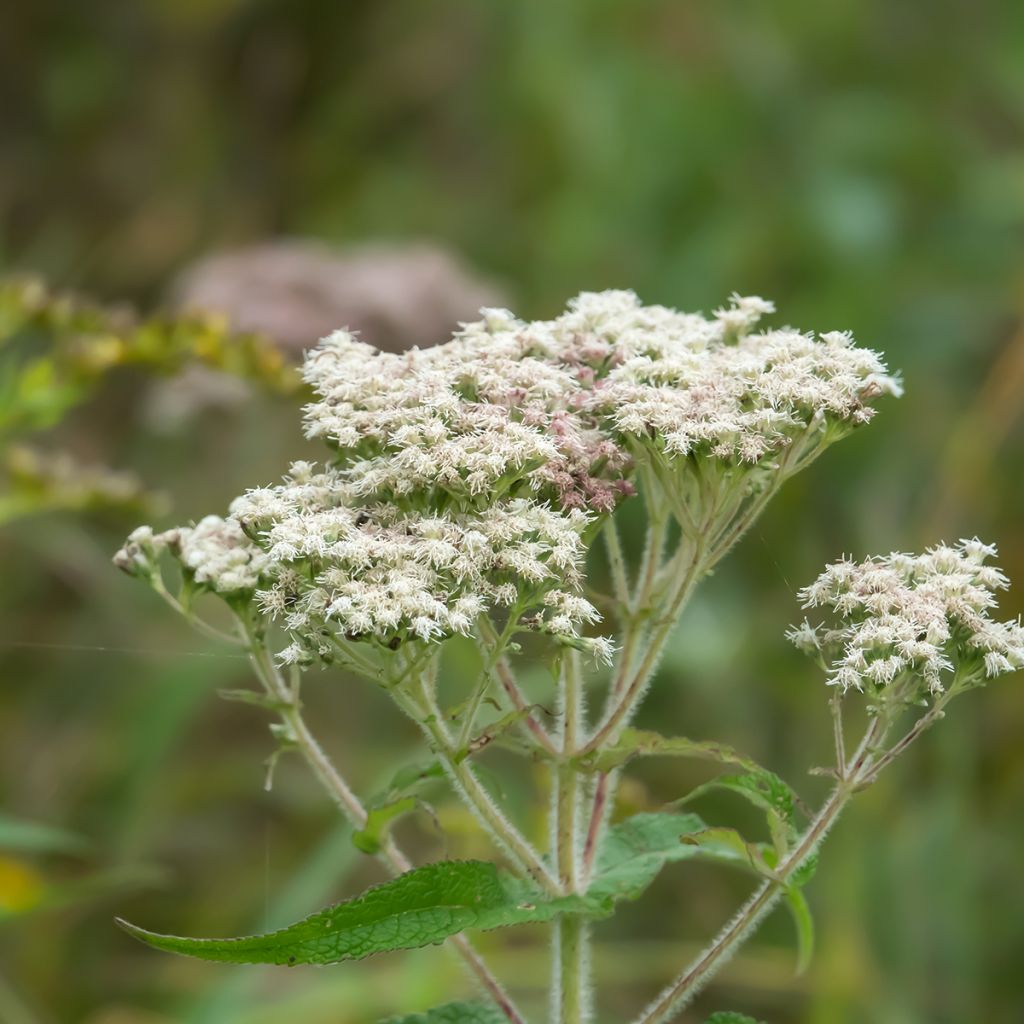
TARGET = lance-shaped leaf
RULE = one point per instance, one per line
(454, 1013)
(635, 850)
(419, 908)
(765, 790)
(728, 1017)
(804, 922)
(428, 904)
(635, 743)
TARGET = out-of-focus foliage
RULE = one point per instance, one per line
(56, 350)
(860, 162)
(70, 344)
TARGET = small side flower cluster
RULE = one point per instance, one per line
(912, 617)
(215, 554)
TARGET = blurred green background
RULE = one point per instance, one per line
(860, 162)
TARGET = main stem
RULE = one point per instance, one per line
(570, 983)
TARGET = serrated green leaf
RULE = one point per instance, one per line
(728, 1017)
(635, 743)
(765, 790)
(804, 922)
(419, 908)
(728, 846)
(454, 1013)
(635, 850)
(428, 904)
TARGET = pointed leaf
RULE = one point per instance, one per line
(454, 1013)
(728, 1017)
(643, 743)
(765, 790)
(804, 922)
(419, 908)
(635, 850)
(728, 846)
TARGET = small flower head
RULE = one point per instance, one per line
(217, 554)
(919, 620)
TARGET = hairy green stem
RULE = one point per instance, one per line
(629, 696)
(616, 562)
(468, 787)
(507, 679)
(679, 993)
(570, 982)
(355, 813)
(492, 654)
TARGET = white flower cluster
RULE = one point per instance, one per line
(465, 477)
(912, 616)
(713, 388)
(215, 553)
(388, 574)
(550, 403)
(491, 412)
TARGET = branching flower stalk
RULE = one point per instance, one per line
(462, 492)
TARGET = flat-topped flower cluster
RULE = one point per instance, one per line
(468, 478)
(924, 616)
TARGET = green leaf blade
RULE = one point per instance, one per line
(636, 849)
(420, 908)
(804, 923)
(454, 1013)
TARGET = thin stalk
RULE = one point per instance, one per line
(676, 996)
(354, 812)
(925, 722)
(491, 658)
(192, 619)
(600, 806)
(836, 706)
(507, 679)
(570, 983)
(502, 831)
(629, 696)
(616, 562)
